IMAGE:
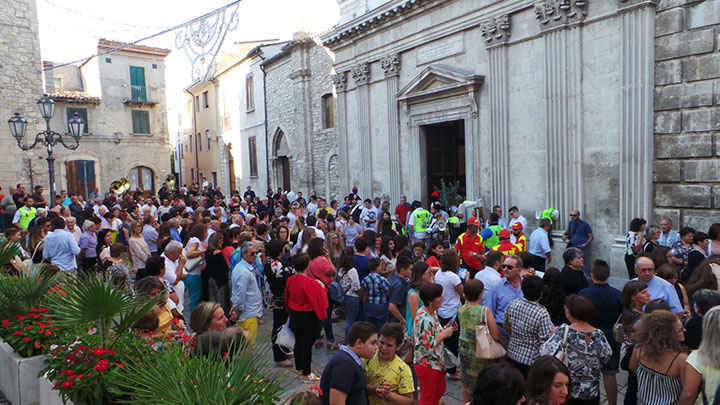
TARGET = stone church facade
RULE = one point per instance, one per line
(535, 104)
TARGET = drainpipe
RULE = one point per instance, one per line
(267, 159)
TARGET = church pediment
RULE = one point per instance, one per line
(438, 80)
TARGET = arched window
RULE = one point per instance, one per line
(328, 111)
(141, 176)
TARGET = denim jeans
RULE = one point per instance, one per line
(376, 314)
(352, 310)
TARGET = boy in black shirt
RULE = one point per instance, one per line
(343, 380)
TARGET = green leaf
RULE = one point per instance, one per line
(28, 289)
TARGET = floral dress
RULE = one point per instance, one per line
(584, 360)
(428, 352)
(470, 364)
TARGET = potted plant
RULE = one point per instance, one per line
(25, 329)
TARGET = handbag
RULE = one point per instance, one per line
(619, 331)
(562, 353)
(406, 351)
(191, 263)
(450, 360)
(285, 338)
(485, 346)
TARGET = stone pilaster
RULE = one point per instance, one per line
(391, 66)
(561, 21)
(361, 75)
(340, 82)
(637, 57)
(496, 32)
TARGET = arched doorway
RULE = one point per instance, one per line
(281, 153)
(142, 177)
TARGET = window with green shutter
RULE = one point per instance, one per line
(140, 122)
(138, 92)
(81, 112)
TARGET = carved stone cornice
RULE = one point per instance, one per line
(340, 81)
(391, 64)
(555, 13)
(361, 73)
(627, 5)
(496, 30)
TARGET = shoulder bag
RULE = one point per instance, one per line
(619, 330)
(562, 353)
(285, 339)
(485, 346)
(191, 263)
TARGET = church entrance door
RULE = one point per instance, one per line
(445, 154)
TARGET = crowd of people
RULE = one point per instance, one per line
(419, 290)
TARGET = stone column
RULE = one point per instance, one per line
(361, 75)
(561, 21)
(496, 32)
(340, 81)
(637, 58)
(391, 66)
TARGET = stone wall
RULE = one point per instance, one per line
(687, 112)
(21, 78)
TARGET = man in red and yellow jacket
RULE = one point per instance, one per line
(470, 247)
(520, 239)
(506, 247)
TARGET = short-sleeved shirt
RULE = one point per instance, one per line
(349, 282)
(451, 299)
(345, 374)
(319, 268)
(489, 277)
(427, 351)
(351, 232)
(710, 376)
(361, 265)
(530, 326)
(539, 245)
(607, 305)
(376, 288)
(396, 373)
(398, 295)
(579, 232)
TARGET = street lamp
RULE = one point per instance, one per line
(48, 137)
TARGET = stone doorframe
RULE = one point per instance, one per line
(440, 94)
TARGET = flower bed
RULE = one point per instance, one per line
(18, 375)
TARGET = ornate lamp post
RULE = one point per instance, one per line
(48, 137)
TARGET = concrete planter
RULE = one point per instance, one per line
(18, 376)
(48, 396)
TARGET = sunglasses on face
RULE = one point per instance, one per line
(508, 266)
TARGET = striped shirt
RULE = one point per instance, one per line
(656, 388)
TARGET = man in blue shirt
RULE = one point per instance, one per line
(61, 247)
(656, 286)
(539, 245)
(505, 291)
(246, 297)
(399, 289)
(579, 234)
(608, 306)
(668, 237)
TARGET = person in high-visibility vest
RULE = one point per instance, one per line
(505, 246)
(419, 221)
(25, 214)
(520, 239)
(490, 234)
(470, 247)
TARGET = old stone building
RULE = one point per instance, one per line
(303, 144)
(687, 112)
(535, 104)
(121, 97)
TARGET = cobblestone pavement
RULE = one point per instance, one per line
(320, 357)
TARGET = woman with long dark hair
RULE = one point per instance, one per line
(322, 269)
(349, 280)
(217, 273)
(634, 241)
(277, 274)
(548, 382)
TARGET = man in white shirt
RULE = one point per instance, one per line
(368, 216)
(165, 208)
(515, 216)
(490, 275)
(71, 226)
(174, 271)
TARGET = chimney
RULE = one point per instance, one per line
(49, 77)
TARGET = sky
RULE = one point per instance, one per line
(70, 29)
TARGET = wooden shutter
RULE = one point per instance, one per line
(137, 83)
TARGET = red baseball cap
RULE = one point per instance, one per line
(517, 225)
(504, 234)
(474, 221)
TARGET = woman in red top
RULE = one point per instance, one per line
(306, 300)
(436, 250)
(321, 268)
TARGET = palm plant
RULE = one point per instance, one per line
(8, 250)
(241, 378)
(28, 289)
(94, 302)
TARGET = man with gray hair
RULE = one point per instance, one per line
(174, 270)
(175, 229)
(71, 226)
(539, 245)
(246, 297)
(668, 237)
(572, 277)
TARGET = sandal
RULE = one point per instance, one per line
(284, 364)
(312, 377)
(332, 346)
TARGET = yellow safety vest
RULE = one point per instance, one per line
(26, 215)
(422, 220)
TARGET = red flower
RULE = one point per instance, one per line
(102, 365)
(43, 309)
(5, 323)
(20, 317)
(120, 365)
(68, 384)
(33, 309)
(37, 345)
(66, 372)
(17, 333)
(47, 332)
(98, 351)
(28, 327)
(26, 339)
